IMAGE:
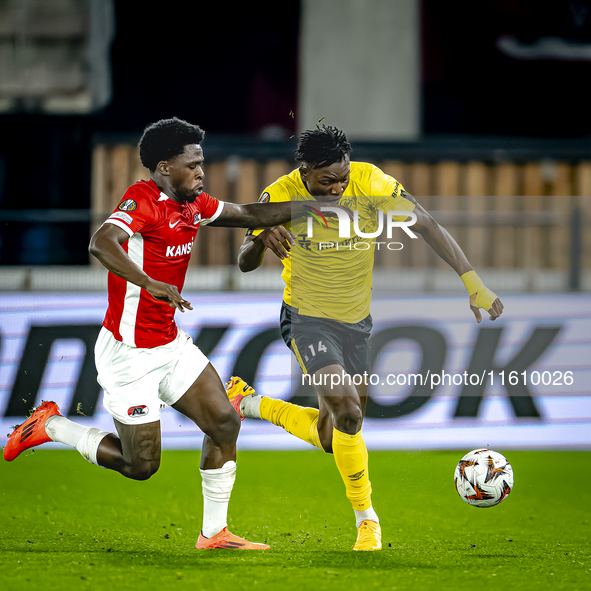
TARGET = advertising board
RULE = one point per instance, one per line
(437, 379)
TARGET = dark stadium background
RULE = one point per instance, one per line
(499, 152)
(234, 71)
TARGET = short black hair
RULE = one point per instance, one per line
(167, 138)
(322, 146)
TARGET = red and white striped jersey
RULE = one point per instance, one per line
(161, 236)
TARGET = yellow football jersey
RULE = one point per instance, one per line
(329, 275)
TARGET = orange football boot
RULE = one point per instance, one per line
(228, 541)
(32, 432)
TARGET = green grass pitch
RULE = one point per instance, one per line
(65, 524)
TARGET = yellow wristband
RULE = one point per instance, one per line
(472, 282)
(485, 298)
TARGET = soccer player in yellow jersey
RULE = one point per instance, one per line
(325, 316)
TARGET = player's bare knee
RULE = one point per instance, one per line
(224, 430)
(348, 418)
(142, 473)
(142, 470)
(349, 425)
(326, 445)
(231, 423)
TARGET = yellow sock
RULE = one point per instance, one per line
(350, 455)
(297, 420)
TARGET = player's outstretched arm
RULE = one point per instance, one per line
(105, 245)
(441, 241)
(268, 215)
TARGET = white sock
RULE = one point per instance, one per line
(249, 406)
(85, 439)
(366, 515)
(217, 488)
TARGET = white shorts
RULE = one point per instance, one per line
(137, 380)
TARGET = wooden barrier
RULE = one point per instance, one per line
(582, 202)
(476, 244)
(504, 215)
(532, 202)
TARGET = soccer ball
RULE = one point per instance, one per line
(483, 478)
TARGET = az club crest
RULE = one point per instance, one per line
(138, 411)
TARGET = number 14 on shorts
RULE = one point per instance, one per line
(321, 349)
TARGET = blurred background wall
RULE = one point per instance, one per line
(467, 105)
(360, 66)
(479, 109)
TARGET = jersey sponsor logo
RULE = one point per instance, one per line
(120, 215)
(264, 198)
(127, 205)
(138, 411)
(197, 218)
(181, 249)
(171, 225)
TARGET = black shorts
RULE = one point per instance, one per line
(319, 342)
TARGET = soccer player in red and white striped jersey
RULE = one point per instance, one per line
(161, 232)
(142, 357)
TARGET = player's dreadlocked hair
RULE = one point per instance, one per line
(322, 146)
(167, 138)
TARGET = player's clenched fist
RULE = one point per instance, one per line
(168, 293)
